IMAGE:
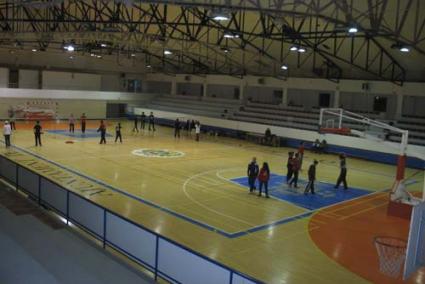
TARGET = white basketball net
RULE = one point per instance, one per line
(392, 254)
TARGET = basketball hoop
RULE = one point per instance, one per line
(392, 254)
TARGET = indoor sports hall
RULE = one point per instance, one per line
(212, 141)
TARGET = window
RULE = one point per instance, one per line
(380, 104)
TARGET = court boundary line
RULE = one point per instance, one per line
(182, 216)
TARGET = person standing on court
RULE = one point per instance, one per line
(118, 133)
(289, 162)
(71, 123)
(197, 130)
(151, 122)
(252, 174)
(295, 170)
(263, 178)
(301, 149)
(136, 124)
(37, 133)
(343, 172)
(7, 131)
(177, 128)
(83, 119)
(142, 120)
(311, 178)
(192, 126)
(102, 130)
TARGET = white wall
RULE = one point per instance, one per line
(77, 102)
(111, 83)
(4, 77)
(221, 91)
(28, 79)
(157, 87)
(71, 81)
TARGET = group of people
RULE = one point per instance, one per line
(294, 164)
(71, 123)
(151, 122)
(263, 176)
(190, 125)
(319, 146)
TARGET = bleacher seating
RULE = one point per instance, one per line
(212, 107)
(277, 115)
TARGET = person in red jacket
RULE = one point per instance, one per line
(301, 149)
(263, 178)
(295, 170)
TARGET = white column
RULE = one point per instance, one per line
(173, 87)
(336, 103)
(284, 96)
(399, 105)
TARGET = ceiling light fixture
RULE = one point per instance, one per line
(230, 35)
(353, 30)
(301, 50)
(167, 52)
(284, 67)
(293, 48)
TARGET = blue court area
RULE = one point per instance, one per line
(325, 193)
(90, 133)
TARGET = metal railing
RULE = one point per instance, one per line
(162, 256)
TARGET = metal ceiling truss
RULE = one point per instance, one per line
(265, 30)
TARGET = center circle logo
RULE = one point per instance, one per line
(157, 153)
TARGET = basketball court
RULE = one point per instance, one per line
(196, 193)
(253, 78)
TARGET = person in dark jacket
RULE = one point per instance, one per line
(177, 128)
(187, 126)
(342, 173)
(102, 130)
(311, 178)
(136, 124)
(151, 122)
(192, 125)
(289, 172)
(118, 133)
(295, 170)
(252, 174)
(83, 119)
(37, 133)
(263, 178)
(142, 120)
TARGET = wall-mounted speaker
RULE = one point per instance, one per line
(261, 81)
(187, 78)
(365, 86)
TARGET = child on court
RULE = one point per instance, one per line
(71, 123)
(37, 133)
(177, 128)
(343, 172)
(83, 119)
(295, 170)
(197, 130)
(252, 174)
(301, 149)
(263, 178)
(142, 120)
(102, 130)
(311, 178)
(289, 163)
(151, 122)
(7, 131)
(118, 133)
(136, 123)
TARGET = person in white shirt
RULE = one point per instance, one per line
(197, 130)
(71, 123)
(7, 131)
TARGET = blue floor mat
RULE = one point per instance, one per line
(325, 193)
